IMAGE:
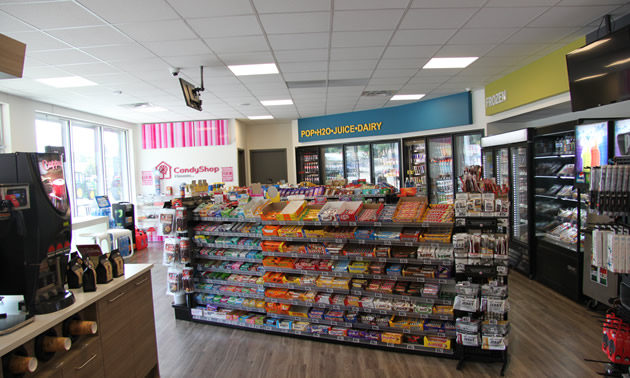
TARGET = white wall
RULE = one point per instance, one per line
(187, 157)
(267, 136)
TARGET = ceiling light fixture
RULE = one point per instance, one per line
(261, 117)
(67, 82)
(277, 102)
(407, 97)
(254, 69)
(143, 107)
(450, 62)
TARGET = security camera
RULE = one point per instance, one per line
(174, 71)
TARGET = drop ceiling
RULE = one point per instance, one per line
(128, 46)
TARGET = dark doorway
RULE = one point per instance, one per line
(268, 166)
(241, 167)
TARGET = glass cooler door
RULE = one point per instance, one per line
(441, 169)
(358, 162)
(503, 167)
(416, 156)
(467, 153)
(519, 194)
(386, 162)
(332, 162)
(487, 158)
(308, 165)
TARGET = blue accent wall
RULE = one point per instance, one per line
(437, 113)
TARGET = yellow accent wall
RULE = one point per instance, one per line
(543, 78)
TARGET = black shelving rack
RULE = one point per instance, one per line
(195, 313)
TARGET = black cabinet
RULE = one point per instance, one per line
(123, 213)
(560, 269)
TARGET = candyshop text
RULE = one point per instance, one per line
(186, 172)
(347, 129)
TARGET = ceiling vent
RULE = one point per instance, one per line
(136, 106)
(377, 93)
(331, 83)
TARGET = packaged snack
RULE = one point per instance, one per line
(171, 251)
(356, 333)
(437, 342)
(174, 281)
(300, 326)
(468, 339)
(338, 331)
(391, 338)
(184, 250)
(167, 222)
(187, 280)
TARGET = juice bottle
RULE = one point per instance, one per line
(586, 157)
(595, 158)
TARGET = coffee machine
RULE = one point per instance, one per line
(35, 239)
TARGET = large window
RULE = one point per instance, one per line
(96, 159)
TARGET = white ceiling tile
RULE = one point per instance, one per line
(265, 80)
(401, 52)
(356, 74)
(464, 50)
(304, 67)
(384, 19)
(422, 37)
(301, 55)
(52, 15)
(232, 26)
(385, 82)
(540, 35)
(206, 60)
(37, 41)
(436, 18)
(115, 78)
(505, 17)
(139, 65)
(295, 22)
(447, 3)
(211, 8)
(238, 44)
(11, 24)
(521, 49)
(570, 16)
(305, 76)
(389, 64)
(432, 79)
(350, 65)
(125, 11)
(438, 72)
(355, 53)
(299, 41)
(153, 31)
(370, 4)
(56, 57)
(30, 62)
(590, 2)
(43, 72)
(418, 88)
(361, 39)
(90, 69)
(91, 36)
(408, 73)
(495, 61)
(119, 52)
(154, 76)
(176, 48)
(285, 6)
(247, 58)
(481, 35)
(308, 92)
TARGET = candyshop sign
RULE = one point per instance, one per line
(195, 170)
(441, 112)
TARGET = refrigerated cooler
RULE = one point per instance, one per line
(308, 164)
(507, 160)
(560, 210)
(467, 153)
(386, 163)
(440, 158)
(415, 163)
(358, 162)
(332, 162)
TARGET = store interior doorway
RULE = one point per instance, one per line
(241, 167)
(268, 166)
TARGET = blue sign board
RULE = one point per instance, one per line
(447, 111)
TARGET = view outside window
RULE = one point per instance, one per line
(96, 159)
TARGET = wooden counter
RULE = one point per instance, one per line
(125, 342)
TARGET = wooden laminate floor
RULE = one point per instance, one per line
(550, 337)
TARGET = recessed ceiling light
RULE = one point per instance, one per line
(67, 82)
(261, 117)
(277, 102)
(406, 97)
(254, 69)
(450, 62)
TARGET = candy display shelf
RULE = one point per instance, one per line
(409, 339)
(198, 315)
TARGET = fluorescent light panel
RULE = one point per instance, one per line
(261, 117)
(450, 62)
(406, 97)
(67, 82)
(149, 109)
(254, 69)
(277, 102)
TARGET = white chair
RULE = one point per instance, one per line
(99, 238)
(115, 234)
